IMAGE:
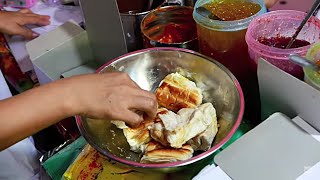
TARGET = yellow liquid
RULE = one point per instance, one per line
(230, 10)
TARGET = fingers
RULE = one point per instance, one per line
(140, 104)
(131, 118)
(38, 20)
(30, 18)
(144, 104)
(13, 23)
(26, 33)
(135, 103)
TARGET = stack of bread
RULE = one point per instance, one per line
(182, 125)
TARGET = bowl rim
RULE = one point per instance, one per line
(178, 163)
(170, 7)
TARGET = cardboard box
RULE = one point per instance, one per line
(60, 51)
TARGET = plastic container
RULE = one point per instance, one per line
(312, 77)
(282, 23)
(170, 26)
(225, 40)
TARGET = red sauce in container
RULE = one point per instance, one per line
(282, 42)
(177, 33)
(170, 26)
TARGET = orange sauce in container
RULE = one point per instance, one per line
(230, 10)
(224, 41)
(224, 44)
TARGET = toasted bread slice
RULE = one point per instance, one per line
(156, 153)
(176, 92)
(138, 137)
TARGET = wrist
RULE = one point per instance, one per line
(69, 100)
(61, 92)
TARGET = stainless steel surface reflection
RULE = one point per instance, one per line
(131, 18)
(132, 13)
(147, 68)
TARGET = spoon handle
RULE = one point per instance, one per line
(303, 62)
(310, 13)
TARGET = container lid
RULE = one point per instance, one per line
(236, 25)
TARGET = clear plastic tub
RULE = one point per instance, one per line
(312, 77)
(225, 40)
(282, 23)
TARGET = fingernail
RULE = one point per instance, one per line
(46, 22)
(35, 34)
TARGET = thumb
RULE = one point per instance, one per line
(26, 33)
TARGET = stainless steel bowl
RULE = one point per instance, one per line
(147, 68)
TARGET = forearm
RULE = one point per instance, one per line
(31, 111)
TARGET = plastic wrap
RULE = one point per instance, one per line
(90, 164)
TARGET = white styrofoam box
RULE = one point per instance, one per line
(59, 51)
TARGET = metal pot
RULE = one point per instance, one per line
(133, 11)
(147, 68)
(175, 20)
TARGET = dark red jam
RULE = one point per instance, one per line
(282, 42)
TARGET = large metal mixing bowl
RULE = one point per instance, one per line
(147, 68)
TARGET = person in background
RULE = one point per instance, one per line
(13, 23)
(100, 96)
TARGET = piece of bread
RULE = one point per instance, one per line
(204, 140)
(138, 137)
(156, 153)
(176, 92)
(120, 124)
(157, 131)
(175, 130)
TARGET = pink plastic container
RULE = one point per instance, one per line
(282, 23)
(18, 4)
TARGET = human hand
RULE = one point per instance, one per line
(111, 96)
(270, 3)
(13, 23)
